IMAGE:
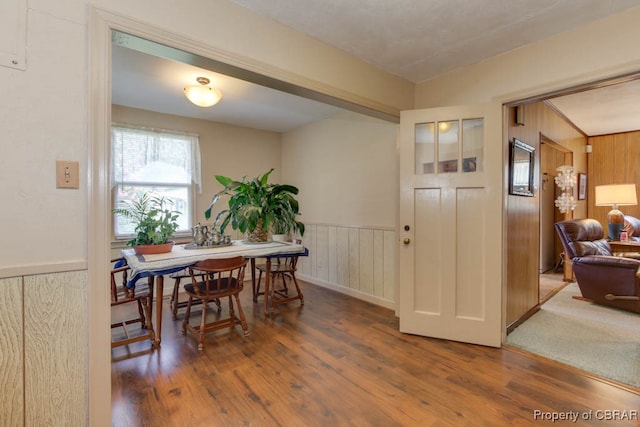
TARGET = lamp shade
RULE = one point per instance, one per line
(202, 95)
(617, 194)
(614, 196)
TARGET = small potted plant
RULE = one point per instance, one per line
(154, 223)
(280, 229)
(256, 206)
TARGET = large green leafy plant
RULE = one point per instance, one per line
(256, 206)
(154, 222)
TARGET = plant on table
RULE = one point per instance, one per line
(154, 222)
(256, 206)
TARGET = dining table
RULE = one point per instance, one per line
(186, 255)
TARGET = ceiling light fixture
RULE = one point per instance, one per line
(202, 95)
(444, 127)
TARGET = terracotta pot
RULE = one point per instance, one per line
(154, 249)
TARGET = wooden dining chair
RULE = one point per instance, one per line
(140, 296)
(175, 302)
(283, 269)
(213, 279)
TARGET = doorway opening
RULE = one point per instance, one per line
(99, 236)
(554, 271)
(549, 278)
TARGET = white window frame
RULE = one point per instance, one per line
(119, 182)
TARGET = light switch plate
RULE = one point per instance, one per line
(67, 174)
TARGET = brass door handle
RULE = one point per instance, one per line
(406, 241)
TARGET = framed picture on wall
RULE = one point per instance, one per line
(582, 186)
(521, 162)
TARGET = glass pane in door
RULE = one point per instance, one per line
(424, 148)
(472, 145)
(448, 146)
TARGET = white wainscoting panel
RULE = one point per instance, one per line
(354, 258)
(358, 261)
(322, 252)
(365, 266)
(342, 256)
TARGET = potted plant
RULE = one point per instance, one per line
(154, 223)
(280, 229)
(256, 206)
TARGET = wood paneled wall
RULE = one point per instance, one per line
(523, 213)
(11, 353)
(43, 350)
(615, 159)
(550, 247)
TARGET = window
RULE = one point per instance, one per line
(164, 163)
(444, 141)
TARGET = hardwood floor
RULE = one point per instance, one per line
(339, 361)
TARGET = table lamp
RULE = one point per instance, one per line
(614, 196)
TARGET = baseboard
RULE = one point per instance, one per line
(348, 291)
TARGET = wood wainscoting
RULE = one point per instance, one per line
(43, 349)
(357, 261)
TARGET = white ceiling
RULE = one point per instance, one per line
(152, 83)
(415, 39)
(421, 39)
(601, 111)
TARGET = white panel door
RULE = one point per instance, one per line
(451, 223)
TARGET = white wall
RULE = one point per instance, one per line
(43, 119)
(43, 110)
(228, 150)
(346, 170)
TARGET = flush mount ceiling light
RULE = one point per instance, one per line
(202, 95)
(444, 127)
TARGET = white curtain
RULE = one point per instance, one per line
(145, 155)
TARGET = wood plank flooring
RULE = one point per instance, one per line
(339, 361)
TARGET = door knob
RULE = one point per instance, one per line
(406, 241)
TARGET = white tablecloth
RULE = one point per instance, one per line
(180, 258)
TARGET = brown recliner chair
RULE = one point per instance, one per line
(632, 227)
(603, 278)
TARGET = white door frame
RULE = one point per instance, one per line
(101, 25)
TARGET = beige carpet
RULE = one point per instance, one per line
(549, 283)
(594, 338)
